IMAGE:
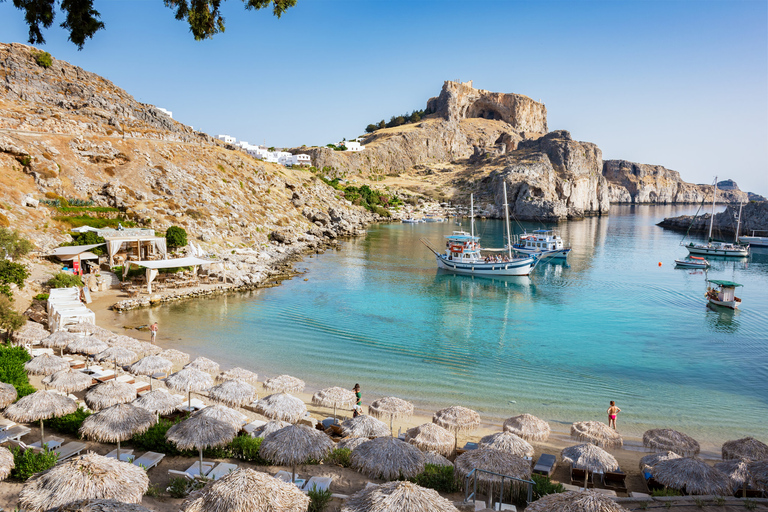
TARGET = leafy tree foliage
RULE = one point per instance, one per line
(44, 60)
(13, 244)
(413, 117)
(176, 237)
(82, 20)
(88, 238)
(12, 273)
(12, 361)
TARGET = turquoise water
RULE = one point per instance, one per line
(608, 325)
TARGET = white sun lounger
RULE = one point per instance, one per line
(128, 379)
(252, 426)
(104, 375)
(6, 424)
(321, 483)
(223, 469)
(68, 450)
(141, 386)
(15, 433)
(52, 443)
(191, 405)
(125, 455)
(194, 469)
(284, 476)
(148, 460)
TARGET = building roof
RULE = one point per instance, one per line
(729, 284)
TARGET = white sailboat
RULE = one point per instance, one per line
(714, 248)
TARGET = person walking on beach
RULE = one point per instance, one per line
(153, 331)
(613, 411)
(359, 402)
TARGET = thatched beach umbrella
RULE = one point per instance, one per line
(457, 419)
(391, 407)
(589, 457)
(116, 355)
(108, 394)
(223, 413)
(293, 445)
(189, 379)
(246, 489)
(31, 332)
(131, 344)
(89, 345)
(101, 506)
(284, 384)
(151, 365)
(747, 448)
(507, 442)
(84, 477)
(429, 437)
(387, 458)
(201, 432)
(397, 497)
(158, 402)
(495, 461)
(59, 339)
(651, 460)
(40, 405)
(736, 470)
(692, 476)
(6, 462)
(271, 426)
(350, 443)
(575, 501)
(597, 433)
(364, 426)
(117, 423)
(204, 364)
(8, 395)
(281, 406)
(235, 393)
(528, 427)
(150, 349)
(238, 374)
(45, 364)
(436, 459)
(174, 355)
(668, 440)
(68, 381)
(333, 397)
(759, 472)
(89, 328)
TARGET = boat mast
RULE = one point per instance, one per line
(472, 214)
(506, 216)
(738, 222)
(712, 219)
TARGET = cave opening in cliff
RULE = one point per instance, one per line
(484, 110)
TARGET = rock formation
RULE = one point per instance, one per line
(754, 217)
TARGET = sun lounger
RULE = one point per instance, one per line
(633, 494)
(545, 465)
(6, 424)
(77, 364)
(327, 422)
(69, 450)
(616, 480)
(180, 474)
(104, 375)
(34, 352)
(128, 379)
(252, 426)
(141, 386)
(579, 476)
(191, 405)
(194, 469)
(159, 375)
(51, 443)
(125, 455)
(651, 484)
(284, 476)
(15, 432)
(223, 469)
(470, 446)
(148, 460)
(321, 483)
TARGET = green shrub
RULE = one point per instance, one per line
(154, 439)
(64, 280)
(41, 296)
(246, 448)
(43, 59)
(28, 462)
(176, 237)
(319, 499)
(12, 371)
(77, 221)
(10, 320)
(69, 423)
(88, 238)
(178, 487)
(153, 491)
(340, 457)
(666, 492)
(544, 486)
(13, 273)
(13, 244)
(439, 478)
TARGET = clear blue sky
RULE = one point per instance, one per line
(681, 84)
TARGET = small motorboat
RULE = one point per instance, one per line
(692, 262)
(411, 221)
(724, 295)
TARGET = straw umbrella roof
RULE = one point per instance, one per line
(747, 448)
(528, 427)
(189, 378)
(240, 374)
(390, 407)
(736, 470)
(284, 384)
(575, 501)
(201, 432)
(246, 489)
(436, 459)
(233, 392)
(177, 356)
(59, 339)
(295, 444)
(150, 365)
(6, 462)
(692, 475)
(30, 332)
(335, 396)
(83, 477)
(590, 457)
(158, 401)
(45, 364)
(101, 506)
(364, 426)
(387, 458)
(759, 472)
(492, 460)
(130, 343)
(109, 393)
(223, 413)
(668, 440)
(204, 364)
(89, 328)
(397, 497)
(40, 405)
(150, 349)
(119, 355)
(271, 426)
(654, 458)
(457, 419)
(508, 442)
(117, 423)
(429, 437)
(281, 406)
(596, 432)
(88, 345)
(7, 394)
(351, 443)
(68, 381)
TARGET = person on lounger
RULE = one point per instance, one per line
(613, 411)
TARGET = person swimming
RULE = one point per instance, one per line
(613, 411)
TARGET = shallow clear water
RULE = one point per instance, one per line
(608, 325)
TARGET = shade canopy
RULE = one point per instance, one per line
(269, 427)
(189, 379)
(284, 384)
(150, 365)
(204, 364)
(281, 406)
(175, 356)
(246, 489)
(6, 462)
(528, 427)
(88, 345)
(59, 339)
(436, 459)
(495, 461)
(235, 393)
(31, 332)
(117, 423)
(747, 448)
(350, 443)
(397, 497)
(109, 393)
(597, 433)
(334, 397)
(736, 470)
(508, 442)
(68, 381)
(691, 476)
(73, 250)
(575, 501)
(200, 432)
(294, 445)
(390, 407)
(87, 255)
(40, 405)
(240, 374)
(650, 460)
(158, 402)
(387, 458)
(223, 413)
(118, 355)
(668, 440)
(8, 395)
(45, 364)
(101, 506)
(590, 457)
(759, 473)
(88, 476)
(457, 419)
(429, 437)
(364, 426)
(171, 263)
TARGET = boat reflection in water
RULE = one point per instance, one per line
(722, 319)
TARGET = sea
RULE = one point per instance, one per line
(617, 321)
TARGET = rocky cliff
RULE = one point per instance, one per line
(754, 217)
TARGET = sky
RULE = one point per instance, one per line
(683, 84)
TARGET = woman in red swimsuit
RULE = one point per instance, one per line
(612, 412)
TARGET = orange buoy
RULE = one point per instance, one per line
(659, 263)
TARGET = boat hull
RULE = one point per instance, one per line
(754, 241)
(557, 254)
(715, 251)
(725, 303)
(521, 267)
(690, 264)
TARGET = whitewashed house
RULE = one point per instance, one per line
(227, 139)
(352, 145)
(302, 160)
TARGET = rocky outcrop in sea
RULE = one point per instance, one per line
(754, 217)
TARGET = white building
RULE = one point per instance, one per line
(302, 160)
(227, 139)
(352, 145)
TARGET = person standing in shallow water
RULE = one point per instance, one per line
(613, 411)
(153, 331)
(359, 401)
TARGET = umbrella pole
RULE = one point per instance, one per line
(201, 462)
(118, 450)
(150, 382)
(391, 428)
(42, 435)
(334, 413)
(293, 473)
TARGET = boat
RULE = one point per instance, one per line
(755, 241)
(463, 254)
(692, 262)
(715, 248)
(433, 219)
(411, 220)
(724, 295)
(541, 242)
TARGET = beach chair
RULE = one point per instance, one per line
(141, 386)
(103, 375)
(223, 469)
(51, 443)
(284, 476)
(194, 469)
(128, 379)
(125, 455)
(327, 422)
(15, 433)
(148, 460)
(470, 446)
(251, 427)
(77, 364)
(545, 465)
(68, 450)
(579, 476)
(320, 483)
(6, 424)
(616, 480)
(633, 494)
(651, 484)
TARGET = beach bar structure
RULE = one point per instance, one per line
(76, 253)
(153, 267)
(141, 242)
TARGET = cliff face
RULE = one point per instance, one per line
(754, 217)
